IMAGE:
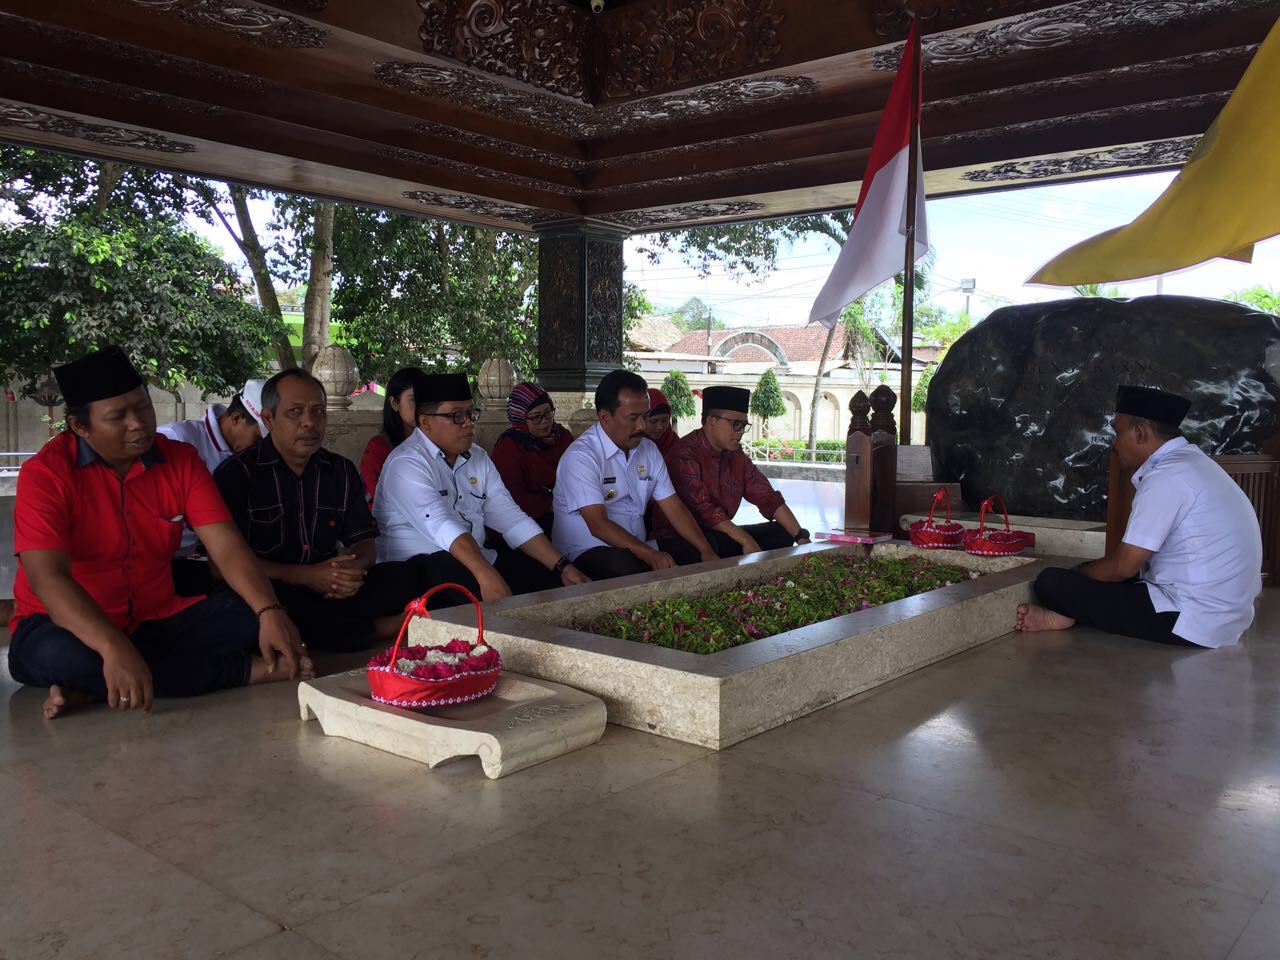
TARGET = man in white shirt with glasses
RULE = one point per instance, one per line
(437, 494)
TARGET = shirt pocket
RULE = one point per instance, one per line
(158, 536)
(266, 529)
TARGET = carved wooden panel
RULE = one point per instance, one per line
(604, 301)
(29, 118)
(472, 170)
(560, 306)
(542, 44)
(1162, 153)
(1088, 21)
(655, 47)
(480, 207)
(260, 25)
(457, 135)
(654, 219)
(632, 52)
(579, 121)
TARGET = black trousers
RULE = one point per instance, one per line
(770, 536)
(344, 625)
(606, 563)
(209, 646)
(193, 578)
(1121, 608)
(522, 573)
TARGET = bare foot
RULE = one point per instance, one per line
(1033, 618)
(258, 672)
(62, 701)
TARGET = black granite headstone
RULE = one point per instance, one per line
(1021, 405)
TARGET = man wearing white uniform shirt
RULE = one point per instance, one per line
(604, 483)
(222, 431)
(438, 492)
(1190, 564)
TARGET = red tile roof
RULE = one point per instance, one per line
(798, 343)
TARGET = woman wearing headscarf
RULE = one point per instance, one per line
(658, 425)
(399, 420)
(527, 455)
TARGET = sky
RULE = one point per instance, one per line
(997, 239)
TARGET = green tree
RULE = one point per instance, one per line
(694, 315)
(766, 399)
(920, 393)
(679, 394)
(411, 291)
(1259, 297)
(158, 290)
(635, 305)
(946, 329)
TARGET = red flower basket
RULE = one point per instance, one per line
(937, 536)
(391, 685)
(995, 543)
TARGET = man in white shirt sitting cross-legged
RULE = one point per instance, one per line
(604, 484)
(437, 494)
(1190, 564)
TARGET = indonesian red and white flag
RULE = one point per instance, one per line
(876, 247)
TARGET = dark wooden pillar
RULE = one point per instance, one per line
(579, 304)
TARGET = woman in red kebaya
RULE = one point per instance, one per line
(399, 420)
(527, 455)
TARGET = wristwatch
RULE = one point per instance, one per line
(563, 562)
(801, 534)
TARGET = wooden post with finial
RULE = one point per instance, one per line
(871, 465)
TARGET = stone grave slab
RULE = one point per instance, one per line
(722, 698)
(523, 722)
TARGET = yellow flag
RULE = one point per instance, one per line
(1223, 201)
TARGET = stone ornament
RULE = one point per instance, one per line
(336, 369)
(41, 121)
(496, 381)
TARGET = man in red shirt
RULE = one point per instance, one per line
(713, 475)
(99, 512)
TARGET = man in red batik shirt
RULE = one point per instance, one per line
(713, 475)
(99, 513)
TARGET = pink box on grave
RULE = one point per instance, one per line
(854, 536)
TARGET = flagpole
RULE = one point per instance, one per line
(909, 268)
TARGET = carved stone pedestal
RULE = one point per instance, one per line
(579, 305)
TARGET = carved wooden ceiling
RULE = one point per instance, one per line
(649, 114)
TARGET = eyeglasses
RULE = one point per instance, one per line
(737, 426)
(459, 417)
(542, 417)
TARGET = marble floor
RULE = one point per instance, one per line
(1056, 796)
